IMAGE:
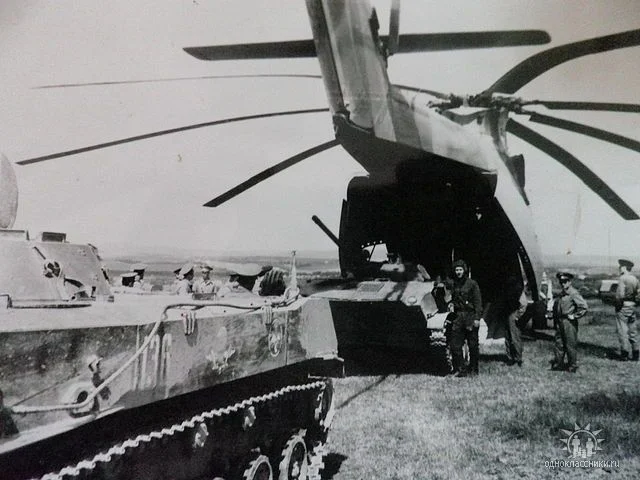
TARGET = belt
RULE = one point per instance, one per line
(629, 303)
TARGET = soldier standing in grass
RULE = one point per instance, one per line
(466, 304)
(568, 307)
(517, 303)
(625, 305)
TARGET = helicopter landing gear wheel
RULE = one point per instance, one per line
(293, 459)
(257, 468)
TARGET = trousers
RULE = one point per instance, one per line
(513, 338)
(458, 336)
(627, 328)
(566, 342)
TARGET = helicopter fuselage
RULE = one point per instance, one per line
(437, 187)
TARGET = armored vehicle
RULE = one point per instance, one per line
(97, 384)
(399, 300)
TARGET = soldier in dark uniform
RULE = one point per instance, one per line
(7, 425)
(568, 307)
(516, 306)
(466, 304)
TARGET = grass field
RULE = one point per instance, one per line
(397, 419)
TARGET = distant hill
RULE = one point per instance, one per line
(119, 257)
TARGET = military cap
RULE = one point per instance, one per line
(460, 263)
(564, 276)
(138, 266)
(625, 263)
(206, 267)
(186, 268)
(248, 270)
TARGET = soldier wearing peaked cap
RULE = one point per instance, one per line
(184, 286)
(568, 307)
(626, 297)
(139, 268)
(205, 284)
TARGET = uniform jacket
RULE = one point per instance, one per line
(184, 287)
(569, 302)
(627, 289)
(467, 302)
(204, 286)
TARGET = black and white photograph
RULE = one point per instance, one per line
(319, 239)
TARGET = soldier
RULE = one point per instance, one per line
(139, 268)
(137, 281)
(568, 307)
(466, 303)
(272, 282)
(625, 306)
(7, 425)
(517, 303)
(184, 284)
(205, 284)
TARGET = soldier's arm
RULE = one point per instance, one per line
(477, 301)
(580, 304)
(523, 303)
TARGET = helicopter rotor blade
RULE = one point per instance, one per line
(437, 42)
(178, 79)
(411, 43)
(586, 130)
(591, 106)
(146, 136)
(394, 28)
(269, 172)
(575, 166)
(539, 63)
(247, 51)
(433, 93)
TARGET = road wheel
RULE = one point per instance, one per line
(293, 459)
(258, 468)
(316, 461)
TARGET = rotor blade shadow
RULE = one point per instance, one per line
(363, 391)
(575, 166)
(146, 136)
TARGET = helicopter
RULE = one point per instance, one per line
(439, 173)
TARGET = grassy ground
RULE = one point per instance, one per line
(398, 420)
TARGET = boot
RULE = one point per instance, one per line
(635, 355)
(624, 356)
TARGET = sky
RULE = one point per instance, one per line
(149, 194)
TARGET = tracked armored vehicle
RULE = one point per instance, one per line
(399, 300)
(102, 385)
